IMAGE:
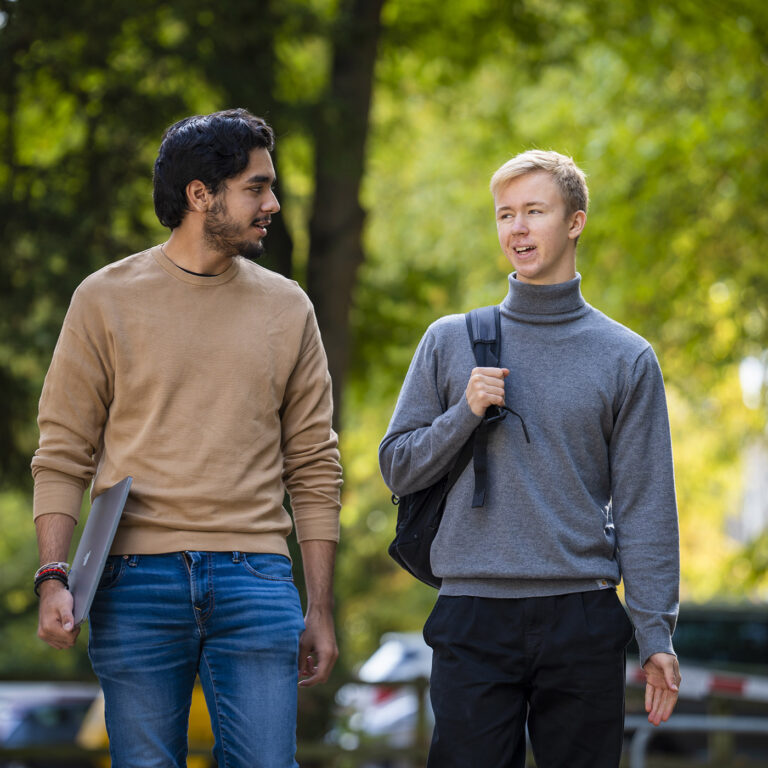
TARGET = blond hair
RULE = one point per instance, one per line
(569, 178)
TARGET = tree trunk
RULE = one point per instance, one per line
(336, 226)
(233, 55)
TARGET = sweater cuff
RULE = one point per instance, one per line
(656, 641)
(57, 493)
(319, 524)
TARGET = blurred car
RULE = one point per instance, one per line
(728, 637)
(43, 714)
(93, 733)
(54, 716)
(723, 652)
(380, 707)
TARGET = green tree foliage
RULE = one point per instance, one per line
(388, 221)
(664, 108)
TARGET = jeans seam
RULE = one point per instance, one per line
(211, 594)
(192, 601)
(224, 747)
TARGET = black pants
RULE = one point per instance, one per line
(556, 662)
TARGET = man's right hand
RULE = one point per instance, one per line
(485, 388)
(57, 624)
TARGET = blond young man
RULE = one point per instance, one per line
(527, 629)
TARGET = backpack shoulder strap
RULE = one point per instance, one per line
(484, 328)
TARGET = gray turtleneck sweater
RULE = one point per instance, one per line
(589, 501)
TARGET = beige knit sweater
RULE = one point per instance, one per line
(212, 392)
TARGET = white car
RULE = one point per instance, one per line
(380, 708)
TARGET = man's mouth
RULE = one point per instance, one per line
(524, 249)
(261, 225)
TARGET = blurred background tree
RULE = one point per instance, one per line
(391, 116)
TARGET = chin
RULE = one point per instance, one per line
(252, 250)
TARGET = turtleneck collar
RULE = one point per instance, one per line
(559, 303)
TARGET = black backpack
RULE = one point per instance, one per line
(419, 513)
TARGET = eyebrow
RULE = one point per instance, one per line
(261, 180)
(525, 205)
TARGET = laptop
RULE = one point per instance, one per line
(94, 546)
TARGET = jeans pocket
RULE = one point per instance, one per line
(113, 571)
(268, 566)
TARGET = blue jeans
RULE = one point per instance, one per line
(234, 619)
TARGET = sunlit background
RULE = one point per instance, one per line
(391, 116)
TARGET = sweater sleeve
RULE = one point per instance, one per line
(311, 469)
(425, 433)
(644, 508)
(73, 409)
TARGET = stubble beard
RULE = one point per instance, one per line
(223, 236)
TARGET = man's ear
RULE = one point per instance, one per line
(199, 197)
(578, 220)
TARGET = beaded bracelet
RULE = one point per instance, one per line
(57, 571)
(58, 566)
(58, 575)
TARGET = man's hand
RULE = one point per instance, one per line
(662, 674)
(57, 624)
(485, 388)
(317, 649)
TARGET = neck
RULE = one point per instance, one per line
(188, 251)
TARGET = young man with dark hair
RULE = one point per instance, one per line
(203, 376)
(527, 628)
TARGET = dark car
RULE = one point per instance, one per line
(722, 636)
(723, 652)
(42, 715)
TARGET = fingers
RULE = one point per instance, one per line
(662, 688)
(659, 703)
(317, 654)
(485, 388)
(56, 636)
(56, 622)
(316, 669)
(649, 691)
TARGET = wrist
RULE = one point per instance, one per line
(49, 587)
(323, 609)
(51, 572)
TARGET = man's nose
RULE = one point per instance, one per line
(518, 225)
(271, 203)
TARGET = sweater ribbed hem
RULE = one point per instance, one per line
(517, 588)
(141, 540)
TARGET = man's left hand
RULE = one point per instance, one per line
(662, 675)
(317, 649)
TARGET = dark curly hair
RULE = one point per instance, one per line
(211, 148)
